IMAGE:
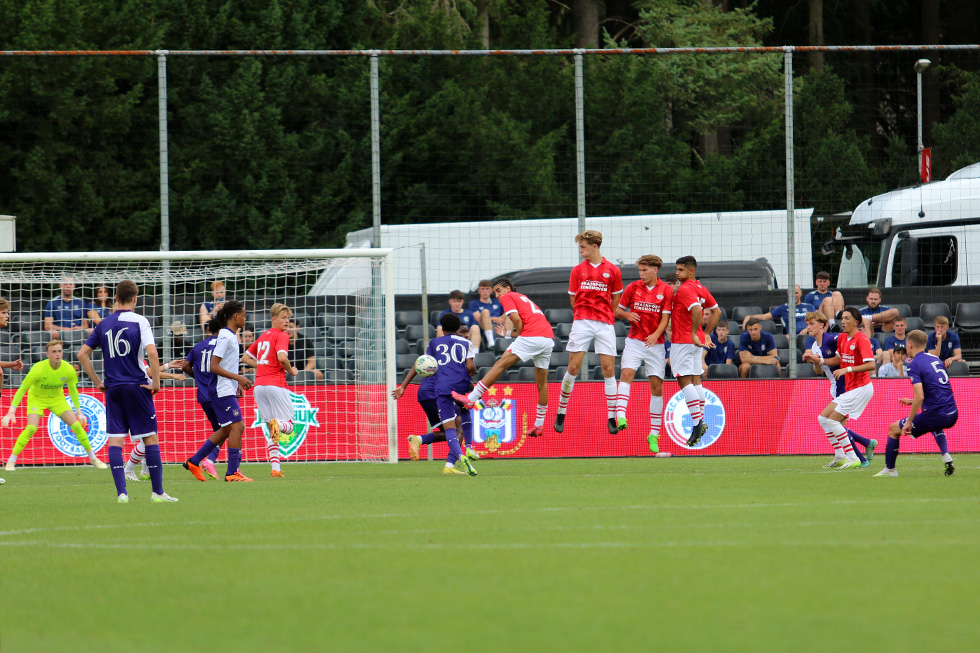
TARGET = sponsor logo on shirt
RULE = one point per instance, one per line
(646, 306)
(605, 274)
(678, 422)
(592, 284)
(65, 441)
(304, 417)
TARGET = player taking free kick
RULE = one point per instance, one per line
(535, 340)
(269, 355)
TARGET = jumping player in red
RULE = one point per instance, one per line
(594, 288)
(646, 305)
(269, 355)
(855, 361)
(535, 340)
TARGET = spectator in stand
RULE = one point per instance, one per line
(756, 347)
(724, 349)
(101, 307)
(301, 352)
(246, 337)
(878, 351)
(896, 368)
(781, 313)
(897, 338)
(4, 318)
(465, 317)
(944, 344)
(668, 374)
(209, 310)
(178, 331)
(829, 302)
(489, 312)
(65, 312)
(877, 317)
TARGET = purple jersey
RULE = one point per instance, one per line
(828, 349)
(451, 353)
(200, 360)
(123, 336)
(427, 390)
(931, 373)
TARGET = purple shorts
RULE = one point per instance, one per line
(227, 410)
(448, 408)
(930, 423)
(129, 409)
(431, 409)
(209, 413)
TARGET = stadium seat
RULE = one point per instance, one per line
(739, 313)
(558, 315)
(345, 349)
(763, 372)
(6, 337)
(597, 372)
(903, 309)
(325, 320)
(556, 374)
(621, 329)
(310, 333)
(782, 341)
(881, 336)
(722, 371)
(620, 344)
(734, 330)
(417, 332)
(959, 368)
(343, 333)
(559, 345)
(500, 345)
(784, 356)
(968, 317)
(434, 316)
(801, 341)
(724, 313)
(403, 346)
(485, 359)
(805, 371)
(526, 374)
(336, 376)
(402, 319)
(769, 326)
(562, 330)
(929, 312)
(913, 323)
(405, 362)
(33, 338)
(559, 359)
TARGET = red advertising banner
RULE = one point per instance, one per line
(926, 171)
(745, 417)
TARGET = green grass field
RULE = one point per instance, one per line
(728, 554)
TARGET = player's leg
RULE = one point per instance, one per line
(483, 318)
(623, 393)
(466, 428)
(579, 340)
(68, 417)
(835, 423)
(117, 426)
(656, 411)
(475, 336)
(229, 412)
(541, 411)
(504, 363)
(824, 420)
(141, 417)
(891, 448)
(605, 347)
(235, 432)
(137, 457)
(33, 421)
(435, 432)
(447, 415)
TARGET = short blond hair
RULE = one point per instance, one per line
(592, 237)
(4, 304)
(651, 260)
(941, 319)
(917, 338)
(816, 315)
(53, 343)
(278, 308)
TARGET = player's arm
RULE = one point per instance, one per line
(86, 363)
(761, 316)
(182, 364)
(250, 361)
(515, 319)
(284, 361)
(400, 390)
(49, 325)
(72, 383)
(153, 358)
(696, 315)
(918, 396)
(885, 316)
(17, 364)
(660, 330)
(27, 383)
(217, 370)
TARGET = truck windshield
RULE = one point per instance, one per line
(859, 264)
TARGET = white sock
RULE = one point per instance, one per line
(477, 391)
(845, 443)
(831, 437)
(947, 458)
(286, 426)
(136, 456)
(567, 383)
(539, 418)
(656, 413)
(489, 334)
(610, 387)
(12, 459)
(622, 399)
(91, 456)
(700, 389)
(273, 451)
(692, 401)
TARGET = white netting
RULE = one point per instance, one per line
(339, 305)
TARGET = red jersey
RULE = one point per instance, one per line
(593, 287)
(707, 302)
(855, 351)
(265, 350)
(535, 324)
(650, 304)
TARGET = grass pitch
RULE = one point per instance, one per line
(553, 555)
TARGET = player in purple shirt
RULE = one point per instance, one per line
(124, 337)
(821, 345)
(933, 394)
(455, 358)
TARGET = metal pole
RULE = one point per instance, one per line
(390, 367)
(580, 138)
(375, 153)
(164, 198)
(425, 311)
(918, 75)
(790, 207)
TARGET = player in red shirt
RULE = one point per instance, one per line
(688, 339)
(269, 355)
(594, 289)
(534, 339)
(646, 305)
(856, 361)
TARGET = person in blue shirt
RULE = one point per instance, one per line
(489, 312)
(896, 339)
(944, 344)
(829, 302)
(756, 347)
(876, 316)
(724, 350)
(933, 394)
(896, 368)
(781, 313)
(65, 312)
(464, 316)
(102, 306)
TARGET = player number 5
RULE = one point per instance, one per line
(938, 366)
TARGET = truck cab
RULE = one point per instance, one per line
(922, 236)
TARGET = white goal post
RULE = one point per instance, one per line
(342, 339)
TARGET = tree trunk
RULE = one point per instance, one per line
(815, 28)
(585, 14)
(483, 22)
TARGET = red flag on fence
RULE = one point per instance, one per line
(926, 165)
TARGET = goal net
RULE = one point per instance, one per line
(342, 305)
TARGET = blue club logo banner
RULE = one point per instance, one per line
(65, 441)
(678, 422)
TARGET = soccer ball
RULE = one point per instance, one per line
(426, 365)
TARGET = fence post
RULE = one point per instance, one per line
(375, 152)
(164, 198)
(580, 138)
(790, 207)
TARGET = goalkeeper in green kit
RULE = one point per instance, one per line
(45, 388)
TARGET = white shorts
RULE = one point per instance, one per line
(853, 402)
(585, 332)
(686, 359)
(636, 353)
(273, 402)
(536, 347)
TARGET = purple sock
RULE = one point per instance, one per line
(891, 453)
(214, 454)
(941, 441)
(860, 439)
(202, 453)
(118, 469)
(429, 438)
(856, 450)
(455, 453)
(155, 466)
(467, 423)
(234, 460)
